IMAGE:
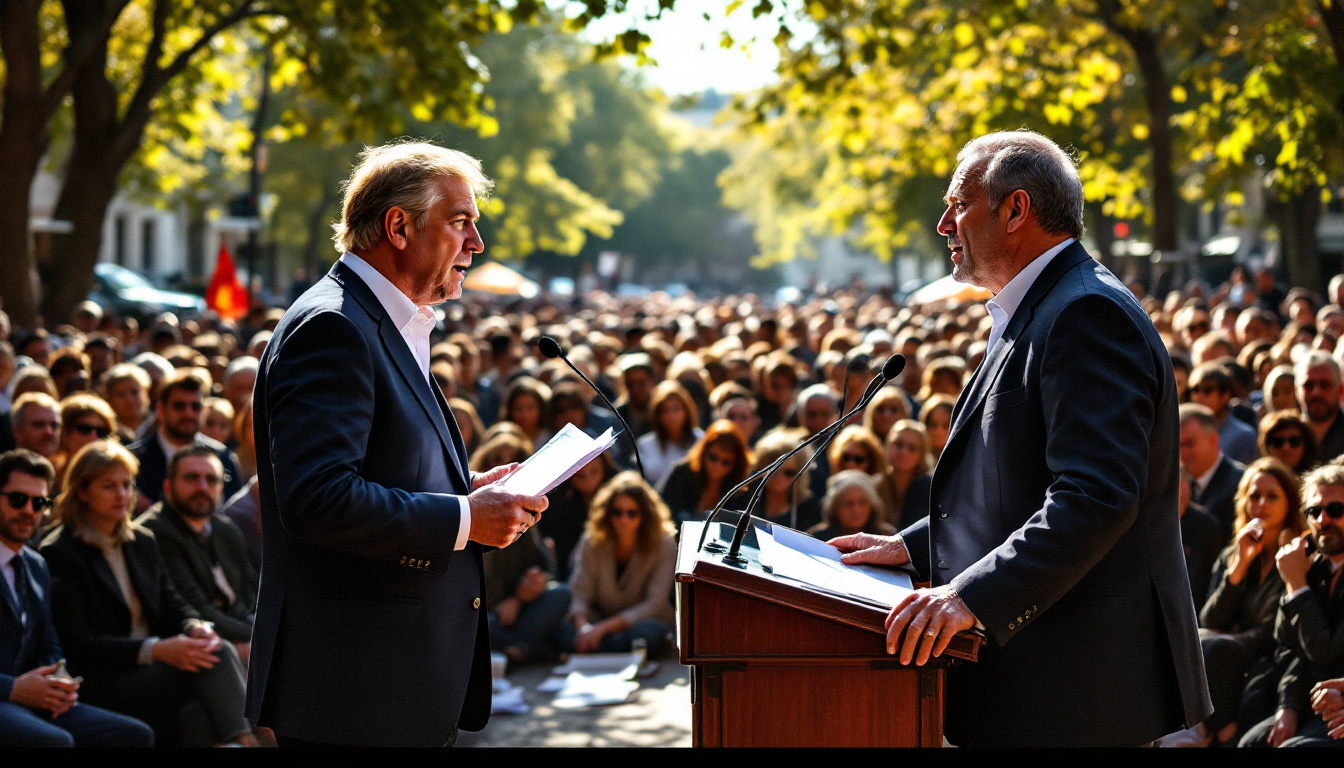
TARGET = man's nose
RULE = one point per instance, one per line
(947, 225)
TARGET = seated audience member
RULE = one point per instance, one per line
(141, 649)
(1309, 629)
(1327, 701)
(69, 371)
(1200, 536)
(181, 401)
(243, 509)
(566, 517)
(37, 709)
(851, 506)
(84, 419)
(1280, 393)
(888, 406)
(1287, 437)
(1318, 396)
(32, 378)
(675, 429)
(245, 449)
(504, 447)
(36, 421)
(238, 380)
(468, 422)
(217, 421)
(525, 403)
(713, 466)
(623, 570)
(943, 376)
(1237, 620)
(817, 408)
(1216, 474)
(735, 403)
(1212, 387)
(906, 484)
(857, 448)
(527, 607)
(125, 387)
(204, 551)
(936, 416)
(787, 498)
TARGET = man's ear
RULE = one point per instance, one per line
(1016, 207)
(396, 226)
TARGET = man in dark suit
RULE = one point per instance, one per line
(38, 708)
(1215, 475)
(1201, 538)
(1053, 521)
(180, 401)
(204, 551)
(1318, 395)
(370, 626)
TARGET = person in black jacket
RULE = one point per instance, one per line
(38, 708)
(1216, 475)
(716, 463)
(141, 649)
(1200, 534)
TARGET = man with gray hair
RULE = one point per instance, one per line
(369, 628)
(1053, 524)
(1317, 379)
(238, 380)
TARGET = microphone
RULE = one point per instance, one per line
(894, 365)
(552, 349)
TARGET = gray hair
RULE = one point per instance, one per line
(1030, 162)
(1316, 359)
(815, 391)
(400, 175)
(1326, 475)
(240, 364)
(843, 481)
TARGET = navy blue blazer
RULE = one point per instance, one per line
(370, 629)
(25, 648)
(1053, 513)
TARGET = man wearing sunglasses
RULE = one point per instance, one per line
(1211, 386)
(179, 409)
(1309, 628)
(38, 702)
(1318, 389)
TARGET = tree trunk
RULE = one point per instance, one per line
(1297, 219)
(20, 154)
(1157, 95)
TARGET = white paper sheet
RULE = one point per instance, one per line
(799, 557)
(553, 463)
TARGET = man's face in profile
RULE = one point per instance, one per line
(439, 253)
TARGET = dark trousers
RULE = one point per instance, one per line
(533, 633)
(1311, 732)
(83, 725)
(187, 709)
(653, 632)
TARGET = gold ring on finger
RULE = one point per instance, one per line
(930, 632)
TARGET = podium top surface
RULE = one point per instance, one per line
(756, 580)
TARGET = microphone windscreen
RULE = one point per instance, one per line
(893, 367)
(859, 363)
(549, 347)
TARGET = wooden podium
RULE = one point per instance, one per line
(777, 664)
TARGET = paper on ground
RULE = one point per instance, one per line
(563, 455)
(799, 557)
(508, 699)
(582, 690)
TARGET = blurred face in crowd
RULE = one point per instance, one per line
(781, 388)
(738, 411)
(180, 416)
(1283, 396)
(780, 481)
(588, 479)
(624, 514)
(886, 413)
(525, 411)
(86, 429)
(1300, 311)
(1318, 394)
(855, 456)
(464, 425)
(437, 256)
(1199, 448)
(1266, 501)
(718, 460)
(672, 416)
(1326, 521)
(108, 496)
(639, 386)
(1211, 396)
(1197, 326)
(972, 229)
(903, 451)
(238, 387)
(217, 426)
(1286, 444)
(40, 430)
(18, 522)
(939, 426)
(1182, 379)
(852, 510)
(817, 413)
(945, 383)
(195, 490)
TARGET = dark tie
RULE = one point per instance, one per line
(20, 586)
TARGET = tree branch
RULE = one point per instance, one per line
(82, 46)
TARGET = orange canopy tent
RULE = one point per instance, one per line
(493, 277)
(948, 289)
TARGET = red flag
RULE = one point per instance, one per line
(226, 295)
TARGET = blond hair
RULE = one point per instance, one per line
(399, 175)
(92, 462)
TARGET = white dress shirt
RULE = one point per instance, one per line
(1202, 482)
(7, 555)
(414, 323)
(1006, 301)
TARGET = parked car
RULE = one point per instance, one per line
(130, 294)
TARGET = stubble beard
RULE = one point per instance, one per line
(1330, 541)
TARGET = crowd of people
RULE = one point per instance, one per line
(128, 468)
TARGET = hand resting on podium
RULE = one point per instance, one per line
(929, 618)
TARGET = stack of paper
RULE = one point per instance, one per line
(563, 455)
(801, 558)
(592, 680)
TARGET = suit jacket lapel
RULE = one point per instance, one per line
(403, 361)
(103, 572)
(10, 599)
(976, 391)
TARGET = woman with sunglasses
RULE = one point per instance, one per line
(623, 571)
(787, 498)
(906, 483)
(857, 448)
(1237, 620)
(84, 419)
(716, 463)
(1286, 436)
(141, 649)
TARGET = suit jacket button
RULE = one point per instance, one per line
(1011, 626)
(476, 604)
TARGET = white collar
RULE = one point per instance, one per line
(1203, 480)
(7, 554)
(1010, 298)
(398, 305)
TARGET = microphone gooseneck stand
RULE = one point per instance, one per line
(552, 349)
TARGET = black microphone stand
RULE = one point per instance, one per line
(552, 349)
